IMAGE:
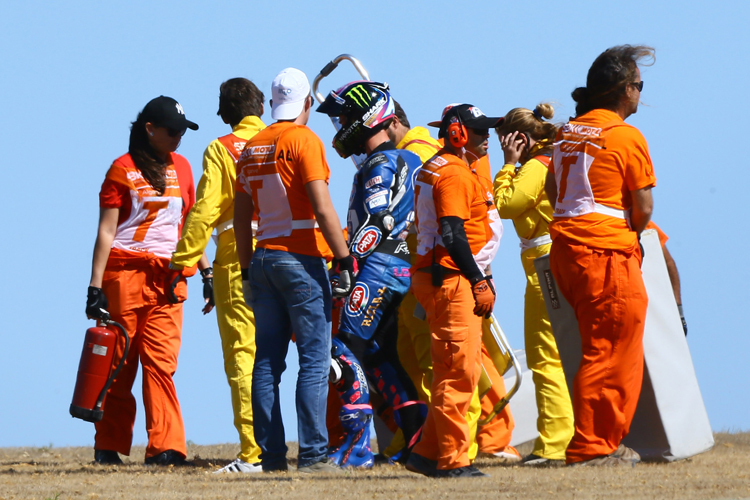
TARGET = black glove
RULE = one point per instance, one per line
(346, 269)
(173, 280)
(208, 285)
(682, 318)
(96, 304)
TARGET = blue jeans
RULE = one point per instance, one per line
(291, 293)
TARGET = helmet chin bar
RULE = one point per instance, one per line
(350, 139)
(364, 107)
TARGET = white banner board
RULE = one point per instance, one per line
(670, 422)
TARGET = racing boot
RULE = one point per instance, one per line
(355, 450)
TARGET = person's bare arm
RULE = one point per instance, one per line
(243, 229)
(105, 236)
(674, 276)
(643, 205)
(328, 220)
(550, 187)
(203, 263)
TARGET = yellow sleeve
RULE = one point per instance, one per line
(517, 192)
(214, 196)
(424, 151)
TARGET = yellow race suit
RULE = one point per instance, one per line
(214, 209)
(519, 195)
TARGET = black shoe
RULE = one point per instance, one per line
(107, 457)
(461, 472)
(403, 456)
(169, 457)
(275, 467)
(421, 465)
(468, 471)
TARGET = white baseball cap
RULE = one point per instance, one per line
(289, 90)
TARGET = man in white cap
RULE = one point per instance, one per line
(283, 175)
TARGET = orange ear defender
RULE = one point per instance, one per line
(457, 134)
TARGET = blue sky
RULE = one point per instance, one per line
(76, 74)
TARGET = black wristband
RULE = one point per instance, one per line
(245, 274)
(209, 271)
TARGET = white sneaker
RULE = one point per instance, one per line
(240, 466)
(507, 457)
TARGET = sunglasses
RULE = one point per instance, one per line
(481, 131)
(176, 132)
(638, 85)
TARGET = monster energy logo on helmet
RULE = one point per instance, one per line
(359, 95)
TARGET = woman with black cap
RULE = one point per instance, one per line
(143, 199)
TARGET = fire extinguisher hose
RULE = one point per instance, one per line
(111, 378)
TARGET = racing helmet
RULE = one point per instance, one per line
(368, 108)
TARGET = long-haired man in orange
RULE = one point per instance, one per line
(458, 233)
(600, 180)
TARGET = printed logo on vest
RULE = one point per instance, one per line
(439, 161)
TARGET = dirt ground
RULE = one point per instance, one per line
(67, 473)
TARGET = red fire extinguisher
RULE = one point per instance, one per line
(94, 376)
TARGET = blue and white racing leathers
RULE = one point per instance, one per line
(381, 210)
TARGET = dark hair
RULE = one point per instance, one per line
(401, 115)
(609, 76)
(145, 157)
(238, 98)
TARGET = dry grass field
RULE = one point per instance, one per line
(67, 473)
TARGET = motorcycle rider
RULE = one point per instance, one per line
(381, 210)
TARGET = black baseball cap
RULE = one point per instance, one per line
(166, 112)
(468, 114)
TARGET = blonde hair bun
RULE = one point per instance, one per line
(544, 109)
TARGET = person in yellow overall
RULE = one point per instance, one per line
(527, 137)
(240, 106)
(413, 332)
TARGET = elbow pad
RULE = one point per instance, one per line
(457, 245)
